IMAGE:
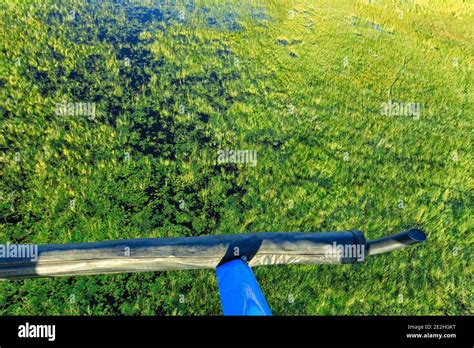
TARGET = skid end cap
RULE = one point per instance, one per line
(417, 235)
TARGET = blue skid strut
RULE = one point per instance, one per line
(239, 290)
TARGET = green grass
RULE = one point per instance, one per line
(267, 76)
